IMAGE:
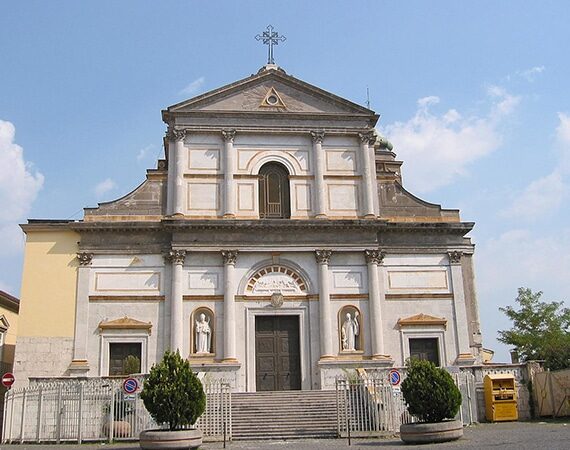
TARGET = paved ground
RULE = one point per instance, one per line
(551, 435)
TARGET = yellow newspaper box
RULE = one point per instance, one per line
(500, 397)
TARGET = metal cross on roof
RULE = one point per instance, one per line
(270, 38)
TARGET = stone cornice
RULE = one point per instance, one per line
(174, 224)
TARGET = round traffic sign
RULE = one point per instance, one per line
(394, 377)
(8, 379)
(130, 385)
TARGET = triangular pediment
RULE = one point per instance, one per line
(270, 90)
(422, 319)
(124, 323)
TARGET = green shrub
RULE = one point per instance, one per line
(131, 364)
(430, 392)
(172, 393)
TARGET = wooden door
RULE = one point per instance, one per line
(426, 349)
(277, 353)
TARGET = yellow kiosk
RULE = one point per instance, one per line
(500, 397)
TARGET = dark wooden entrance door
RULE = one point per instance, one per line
(277, 353)
(425, 349)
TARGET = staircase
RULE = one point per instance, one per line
(284, 415)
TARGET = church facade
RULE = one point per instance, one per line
(274, 246)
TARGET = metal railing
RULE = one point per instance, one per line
(97, 410)
(369, 405)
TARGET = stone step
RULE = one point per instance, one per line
(284, 415)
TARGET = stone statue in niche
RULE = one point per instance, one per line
(203, 334)
(349, 332)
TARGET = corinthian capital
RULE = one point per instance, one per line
(374, 256)
(367, 138)
(175, 134)
(455, 256)
(176, 256)
(85, 258)
(323, 256)
(230, 256)
(228, 135)
(318, 136)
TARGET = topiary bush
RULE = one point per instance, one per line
(430, 392)
(172, 393)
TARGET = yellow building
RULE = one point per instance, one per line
(9, 307)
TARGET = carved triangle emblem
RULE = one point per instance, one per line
(273, 100)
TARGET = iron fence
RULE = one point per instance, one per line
(369, 405)
(97, 410)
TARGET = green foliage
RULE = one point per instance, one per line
(541, 330)
(172, 393)
(430, 392)
(131, 364)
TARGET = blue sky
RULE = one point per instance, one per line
(474, 96)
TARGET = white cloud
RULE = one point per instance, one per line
(193, 87)
(548, 193)
(540, 197)
(19, 187)
(531, 74)
(104, 187)
(519, 258)
(439, 148)
(144, 152)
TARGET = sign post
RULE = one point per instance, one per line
(8, 379)
(130, 385)
(394, 377)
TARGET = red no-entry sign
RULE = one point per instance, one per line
(8, 379)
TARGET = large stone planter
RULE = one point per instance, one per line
(422, 433)
(179, 439)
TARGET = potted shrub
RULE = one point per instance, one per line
(174, 396)
(434, 399)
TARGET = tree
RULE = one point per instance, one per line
(541, 330)
(430, 392)
(172, 393)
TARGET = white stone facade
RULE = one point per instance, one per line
(348, 239)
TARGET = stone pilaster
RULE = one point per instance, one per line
(230, 259)
(176, 257)
(79, 364)
(464, 355)
(323, 258)
(176, 158)
(229, 164)
(319, 169)
(376, 301)
(369, 173)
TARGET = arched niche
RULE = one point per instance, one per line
(274, 191)
(350, 330)
(203, 331)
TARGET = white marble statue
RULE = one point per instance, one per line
(203, 334)
(349, 332)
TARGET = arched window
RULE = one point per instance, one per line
(274, 198)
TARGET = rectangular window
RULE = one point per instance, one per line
(118, 353)
(426, 349)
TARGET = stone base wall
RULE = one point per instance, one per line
(41, 357)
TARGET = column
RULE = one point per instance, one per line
(376, 298)
(230, 258)
(319, 169)
(175, 200)
(229, 189)
(369, 173)
(459, 309)
(323, 257)
(79, 364)
(176, 257)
